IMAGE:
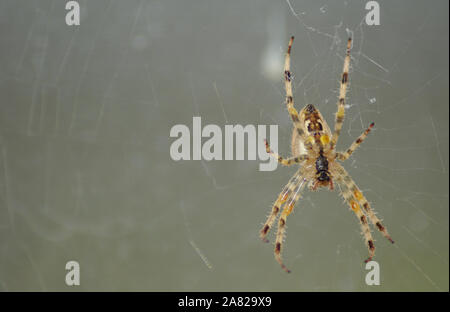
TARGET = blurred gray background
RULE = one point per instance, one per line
(85, 170)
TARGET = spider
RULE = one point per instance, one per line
(313, 148)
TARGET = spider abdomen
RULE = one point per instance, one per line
(322, 168)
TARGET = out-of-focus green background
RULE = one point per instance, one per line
(85, 169)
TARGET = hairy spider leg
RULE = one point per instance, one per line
(287, 209)
(354, 206)
(289, 96)
(348, 181)
(282, 197)
(341, 102)
(355, 144)
(285, 161)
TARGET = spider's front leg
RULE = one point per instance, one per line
(342, 93)
(290, 97)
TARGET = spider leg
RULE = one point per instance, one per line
(355, 144)
(342, 92)
(289, 96)
(348, 181)
(285, 161)
(287, 190)
(354, 206)
(288, 206)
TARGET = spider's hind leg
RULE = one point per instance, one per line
(276, 206)
(290, 203)
(354, 206)
(358, 195)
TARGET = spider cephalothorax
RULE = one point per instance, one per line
(313, 147)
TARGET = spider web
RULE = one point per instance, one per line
(85, 170)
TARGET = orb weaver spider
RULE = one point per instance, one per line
(313, 148)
